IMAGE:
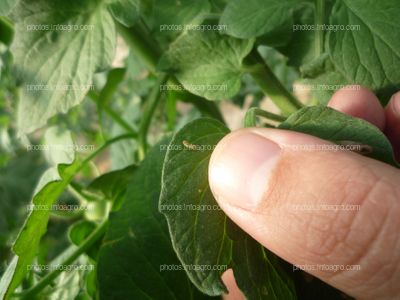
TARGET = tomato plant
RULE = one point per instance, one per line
(110, 110)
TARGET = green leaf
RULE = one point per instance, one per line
(137, 244)
(57, 66)
(16, 188)
(329, 124)
(6, 31)
(60, 147)
(91, 284)
(67, 285)
(114, 78)
(301, 48)
(175, 14)
(207, 64)
(50, 187)
(252, 18)
(322, 78)
(79, 231)
(369, 56)
(7, 277)
(126, 12)
(6, 6)
(112, 186)
(325, 85)
(201, 233)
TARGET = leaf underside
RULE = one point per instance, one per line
(332, 125)
(206, 237)
(56, 66)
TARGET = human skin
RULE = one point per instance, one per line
(258, 178)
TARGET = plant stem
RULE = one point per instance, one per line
(319, 20)
(171, 110)
(118, 119)
(103, 147)
(271, 85)
(253, 113)
(141, 44)
(151, 104)
(113, 115)
(148, 51)
(49, 278)
(78, 191)
(90, 240)
(208, 108)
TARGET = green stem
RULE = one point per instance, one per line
(151, 105)
(140, 44)
(148, 51)
(103, 147)
(92, 238)
(252, 114)
(114, 115)
(118, 119)
(49, 278)
(208, 108)
(171, 110)
(78, 191)
(319, 20)
(271, 85)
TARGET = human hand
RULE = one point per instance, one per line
(260, 182)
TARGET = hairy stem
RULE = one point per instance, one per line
(105, 146)
(271, 85)
(151, 105)
(252, 114)
(119, 120)
(141, 45)
(208, 108)
(113, 115)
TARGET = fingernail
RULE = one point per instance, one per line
(396, 103)
(240, 168)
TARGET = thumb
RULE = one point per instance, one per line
(334, 214)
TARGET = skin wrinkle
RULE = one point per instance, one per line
(372, 276)
(359, 176)
(374, 237)
(385, 269)
(362, 196)
(380, 187)
(339, 237)
(346, 220)
(371, 183)
(396, 263)
(379, 276)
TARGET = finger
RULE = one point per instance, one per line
(359, 102)
(234, 292)
(286, 200)
(392, 130)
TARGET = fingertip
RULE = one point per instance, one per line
(304, 204)
(393, 108)
(239, 167)
(359, 102)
